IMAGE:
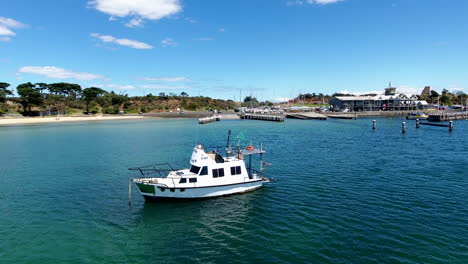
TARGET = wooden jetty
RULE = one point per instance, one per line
(307, 115)
(209, 119)
(447, 116)
(449, 125)
(341, 116)
(265, 117)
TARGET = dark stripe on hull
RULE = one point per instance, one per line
(156, 199)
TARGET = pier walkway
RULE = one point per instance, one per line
(447, 116)
(265, 117)
(307, 115)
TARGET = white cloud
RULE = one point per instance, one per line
(405, 89)
(318, 2)
(167, 79)
(6, 28)
(323, 2)
(165, 87)
(5, 39)
(59, 73)
(222, 30)
(281, 99)
(137, 9)
(4, 31)
(115, 86)
(124, 42)
(168, 42)
(135, 22)
(361, 93)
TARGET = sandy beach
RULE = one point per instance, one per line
(40, 120)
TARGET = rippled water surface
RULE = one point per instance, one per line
(343, 194)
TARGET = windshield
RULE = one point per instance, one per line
(194, 169)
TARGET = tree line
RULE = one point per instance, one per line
(70, 97)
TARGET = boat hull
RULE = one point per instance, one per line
(161, 193)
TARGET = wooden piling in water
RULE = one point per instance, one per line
(373, 125)
(129, 192)
(403, 128)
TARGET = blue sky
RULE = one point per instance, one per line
(268, 48)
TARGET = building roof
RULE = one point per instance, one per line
(377, 97)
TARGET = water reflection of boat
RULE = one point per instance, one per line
(414, 116)
(209, 175)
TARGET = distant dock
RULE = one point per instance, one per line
(342, 116)
(307, 115)
(265, 117)
(447, 116)
(209, 119)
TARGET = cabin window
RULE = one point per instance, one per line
(218, 173)
(182, 190)
(172, 190)
(162, 189)
(183, 180)
(235, 170)
(192, 180)
(204, 171)
(194, 169)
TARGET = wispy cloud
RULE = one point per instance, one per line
(138, 10)
(115, 86)
(190, 20)
(4, 39)
(204, 39)
(281, 99)
(135, 22)
(6, 28)
(168, 42)
(222, 30)
(122, 41)
(165, 87)
(318, 2)
(166, 79)
(53, 72)
(404, 89)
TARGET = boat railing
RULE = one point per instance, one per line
(235, 150)
(253, 172)
(151, 171)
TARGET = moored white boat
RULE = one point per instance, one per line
(210, 175)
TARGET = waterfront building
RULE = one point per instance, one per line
(389, 101)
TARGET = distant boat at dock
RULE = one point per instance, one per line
(414, 116)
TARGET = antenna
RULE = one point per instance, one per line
(229, 137)
(196, 135)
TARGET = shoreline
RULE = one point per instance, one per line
(64, 119)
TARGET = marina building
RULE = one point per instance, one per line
(389, 101)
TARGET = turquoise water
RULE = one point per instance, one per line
(343, 194)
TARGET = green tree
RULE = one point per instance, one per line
(4, 91)
(434, 95)
(64, 89)
(184, 94)
(29, 96)
(90, 94)
(250, 101)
